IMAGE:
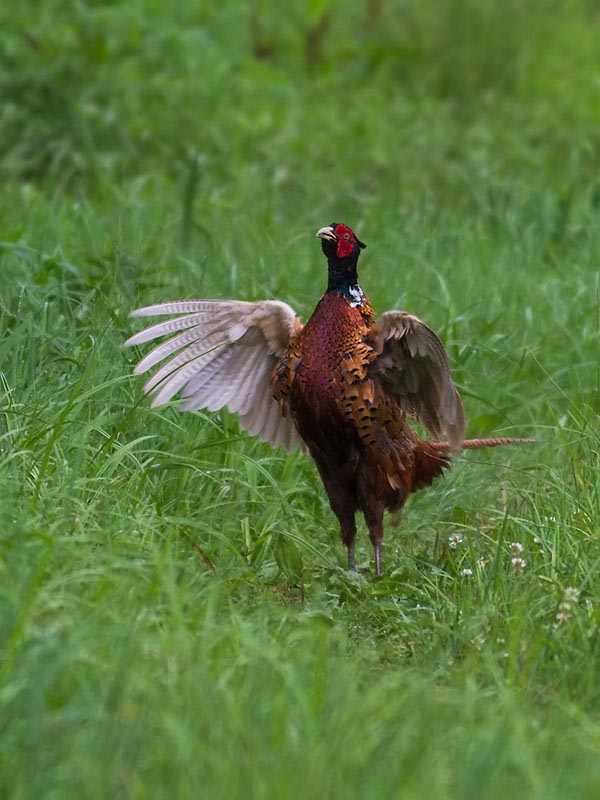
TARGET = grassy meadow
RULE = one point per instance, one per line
(176, 619)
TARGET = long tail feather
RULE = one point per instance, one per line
(469, 444)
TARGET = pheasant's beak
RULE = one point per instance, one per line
(326, 233)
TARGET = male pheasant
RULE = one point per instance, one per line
(341, 387)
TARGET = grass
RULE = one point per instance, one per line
(175, 616)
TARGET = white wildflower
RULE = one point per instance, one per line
(518, 563)
(466, 572)
(516, 547)
(571, 595)
(454, 540)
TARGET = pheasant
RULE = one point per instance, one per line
(342, 387)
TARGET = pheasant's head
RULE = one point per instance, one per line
(342, 249)
(338, 242)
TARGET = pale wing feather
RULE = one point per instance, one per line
(223, 355)
(169, 326)
(250, 374)
(244, 402)
(252, 420)
(191, 391)
(413, 366)
(256, 420)
(165, 349)
(213, 380)
(231, 379)
(207, 347)
(232, 385)
(189, 307)
(200, 354)
(284, 434)
(177, 380)
(195, 328)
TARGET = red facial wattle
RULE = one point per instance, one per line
(346, 241)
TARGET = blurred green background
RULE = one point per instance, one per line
(175, 616)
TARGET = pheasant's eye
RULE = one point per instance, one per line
(347, 237)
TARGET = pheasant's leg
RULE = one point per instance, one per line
(343, 505)
(347, 531)
(348, 535)
(351, 558)
(374, 520)
(343, 502)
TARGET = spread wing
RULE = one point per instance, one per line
(413, 366)
(222, 354)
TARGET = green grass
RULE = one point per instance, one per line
(175, 616)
